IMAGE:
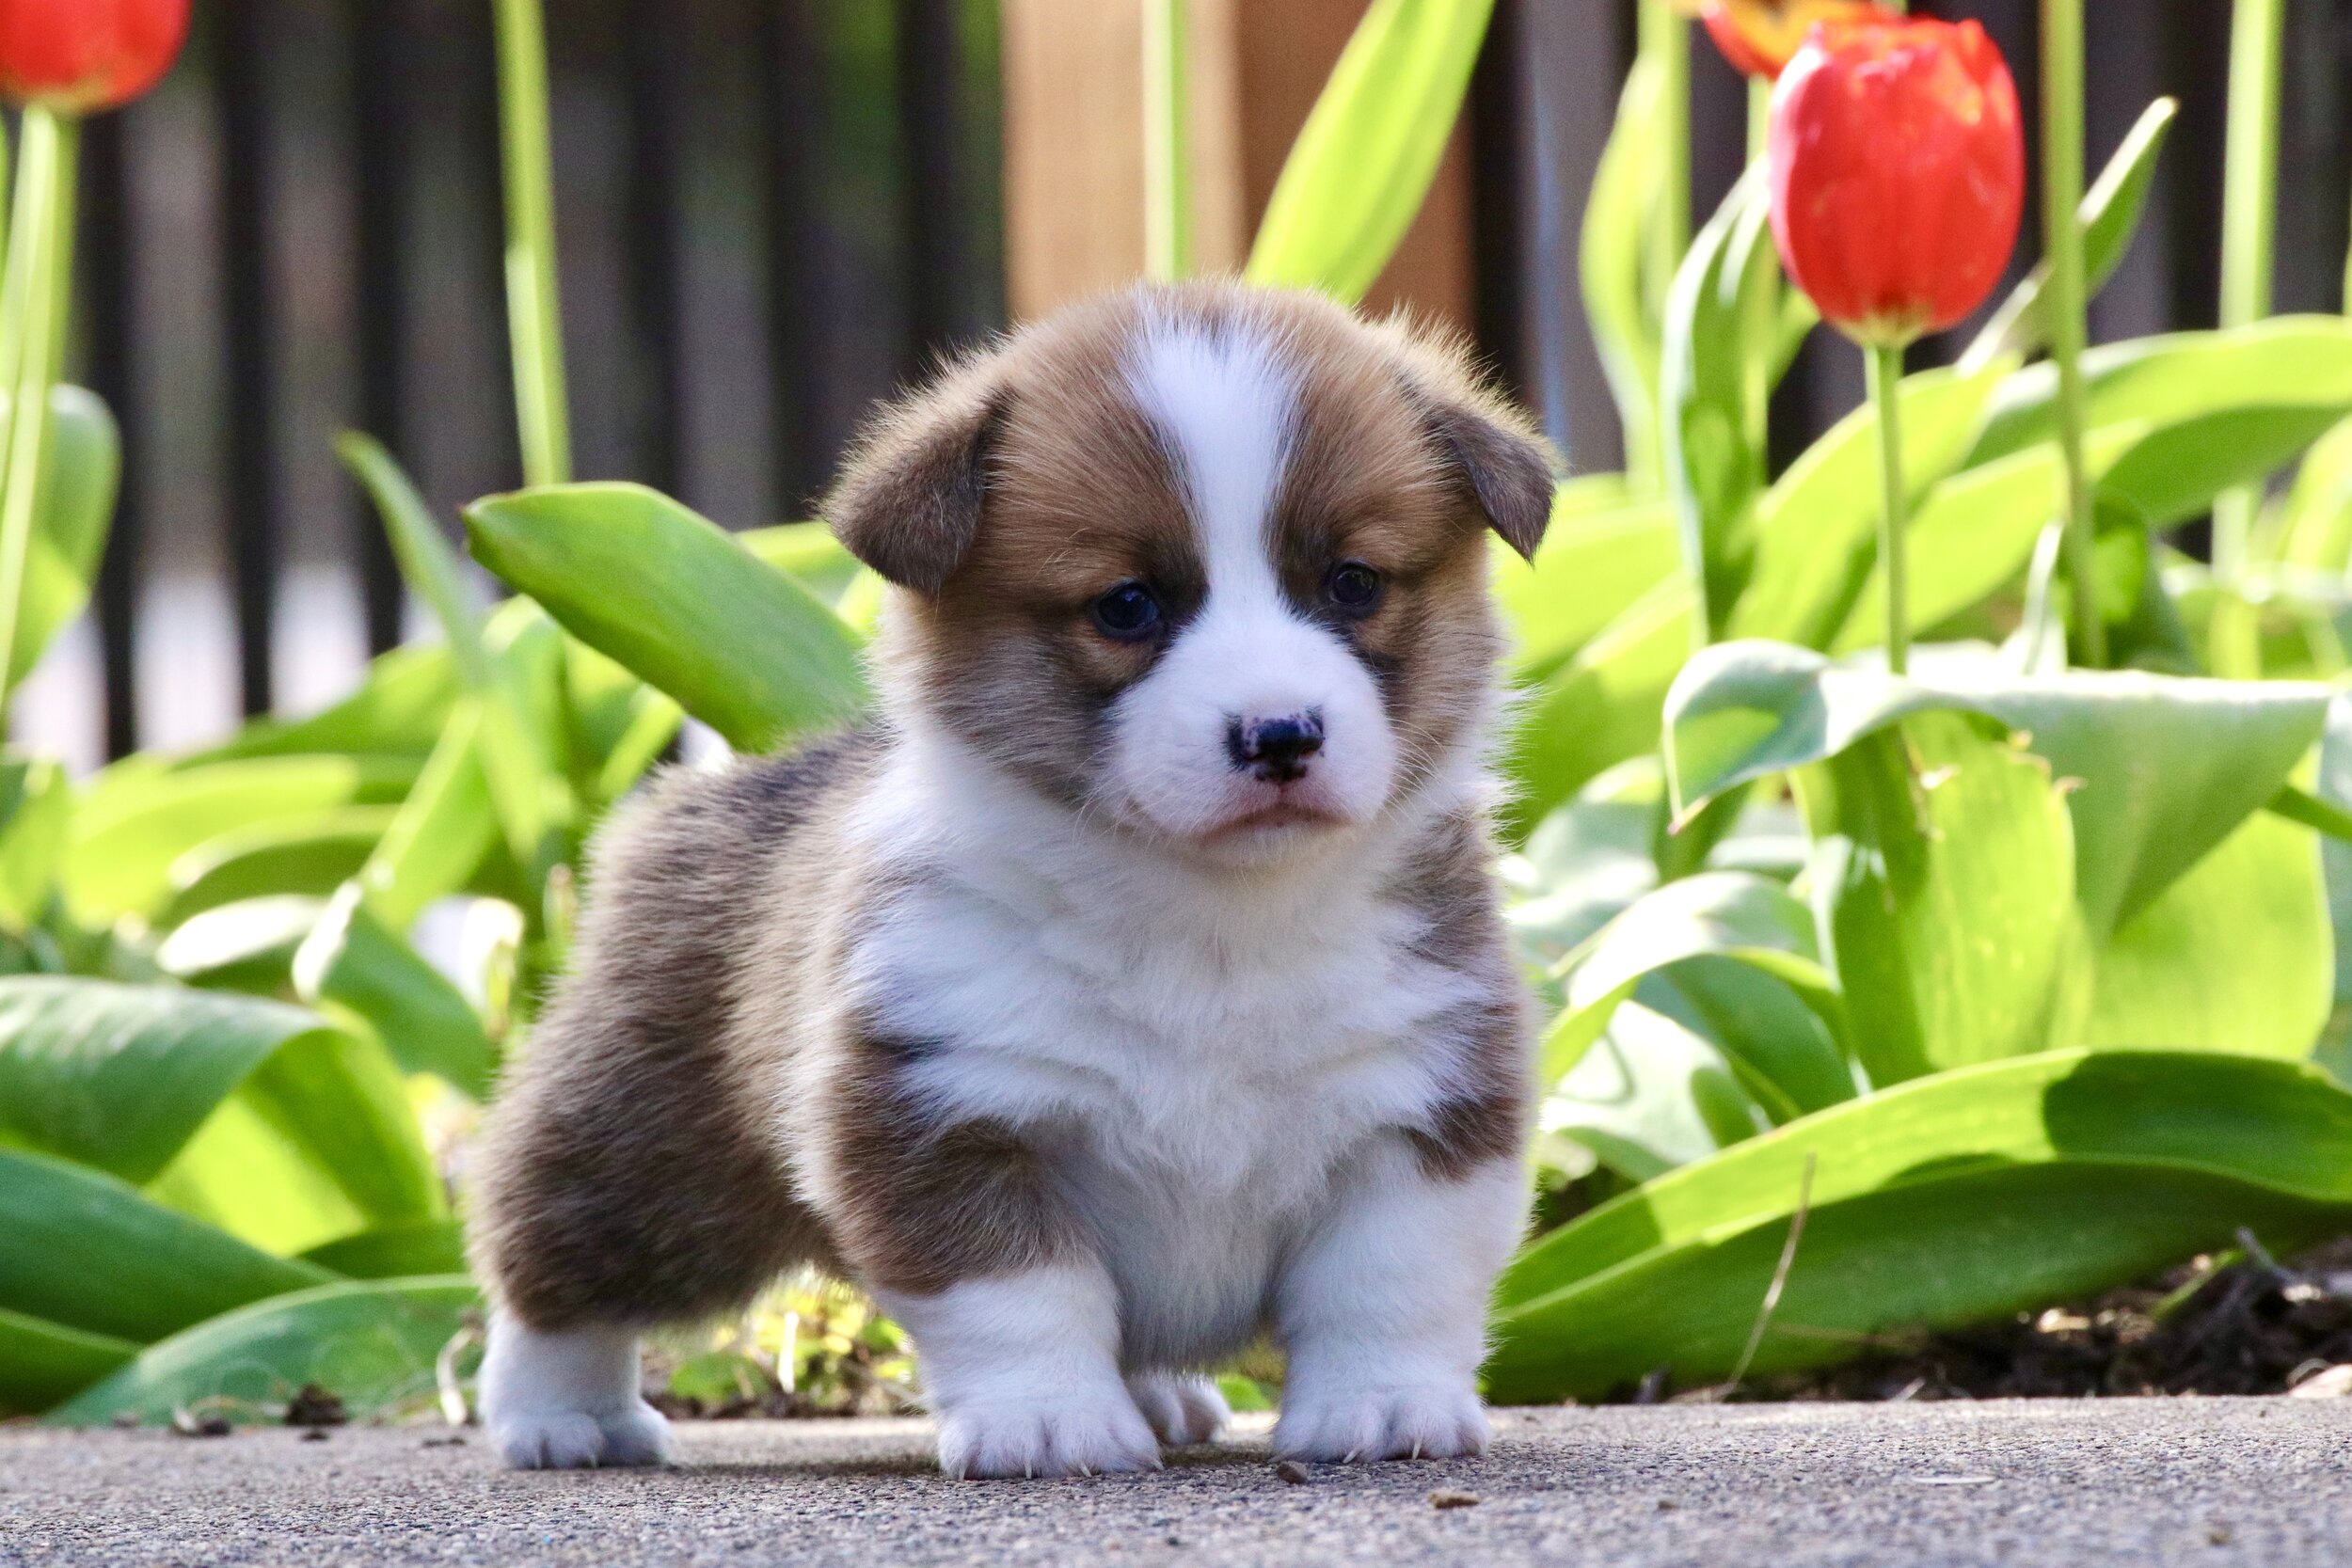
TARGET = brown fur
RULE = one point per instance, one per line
(1490, 1114)
(626, 1172)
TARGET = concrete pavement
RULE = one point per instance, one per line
(2023, 1484)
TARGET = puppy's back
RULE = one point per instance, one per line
(624, 1171)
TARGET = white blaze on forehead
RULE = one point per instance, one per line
(1225, 405)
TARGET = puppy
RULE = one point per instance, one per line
(1133, 983)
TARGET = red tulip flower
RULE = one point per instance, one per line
(80, 56)
(1760, 37)
(1898, 170)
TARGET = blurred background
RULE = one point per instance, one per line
(774, 212)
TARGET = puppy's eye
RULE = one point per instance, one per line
(1354, 587)
(1128, 614)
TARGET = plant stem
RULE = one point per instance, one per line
(33, 306)
(1166, 148)
(2249, 224)
(2062, 196)
(1665, 38)
(1886, 379)
(535, 318)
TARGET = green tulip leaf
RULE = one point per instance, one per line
(740, 646)
(1364, 160)
(1650, 1095)
(395, 1251)
(518, 754)
(372, 1344)
(356, 966)
(2159, 770)
(1592, 567)
(1931, 835)
(138, 819)
(1816, 528)
(77, 508)
(397, 712)
(42, 1363)
(2109, 216)
(1952, 1200)
(310, 857)
(118, 1077)
(1724, 915)
(2288, 367)
(2237, 955)
(1611, 256)
(85, 1252)
(1711, 393)
(248, 945)
(1599, 708)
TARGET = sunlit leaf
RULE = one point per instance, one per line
(1952, 1200)
(631, 573)
(370, 1343)
(1363, 161)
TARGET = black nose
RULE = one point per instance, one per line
(1276, 749)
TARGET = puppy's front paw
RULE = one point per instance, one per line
(574, 1440)
(1347, 1425)
(1182, 1408)
(1093, 1434)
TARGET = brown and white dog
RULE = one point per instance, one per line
(1135, 984)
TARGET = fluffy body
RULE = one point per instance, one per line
(1094, 1036)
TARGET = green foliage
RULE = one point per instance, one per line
(87, 1253)
(1714, 375)
(1947, 1201)
(2110, 216)
(119, 1077)
(81, 474)
(373, 1342)
(1624, 311)
(636, 576)
(1705, 920)
(2163, 768)
(1370, 147)
(353, 962)
(1928, 835)
(515, 750)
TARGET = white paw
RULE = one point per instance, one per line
(1183, 1408)
(573, 1440)
(1071, 1434)
(1345, 1425)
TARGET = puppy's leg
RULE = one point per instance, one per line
(1183, 1408)
(1383, 1311)
(965, 1237)
(567, 1400)
(1023, 1373)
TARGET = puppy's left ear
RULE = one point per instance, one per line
(909, 500)
(1507, 467)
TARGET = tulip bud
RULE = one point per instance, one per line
(79, 55)
(1897, 170)
(1759, 37)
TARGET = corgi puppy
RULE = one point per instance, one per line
(1133, 983)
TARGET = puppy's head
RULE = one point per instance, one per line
(1203, 561)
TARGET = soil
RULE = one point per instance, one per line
(2236, 1323)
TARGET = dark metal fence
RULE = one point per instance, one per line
(773, 211)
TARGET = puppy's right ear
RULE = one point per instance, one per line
(908, 502)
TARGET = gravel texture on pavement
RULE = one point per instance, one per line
(2211, 1481)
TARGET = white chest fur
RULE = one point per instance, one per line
(1201, 1049)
